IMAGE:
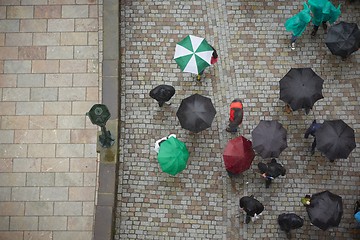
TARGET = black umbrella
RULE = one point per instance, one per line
(269, 139)
(162, 93)
(325, 210)
(343, 39)
(301, 88)
(335, 139)
(196, 113)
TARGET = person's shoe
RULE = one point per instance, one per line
(230, 131)
(288, 109)
(198, 77)
(325, 26)
(312, 151)
(247, 219)
(313, 33)
(293, 46)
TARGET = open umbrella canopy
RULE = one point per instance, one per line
(343, 39)
(325, 210)
(196, 113)
(238, 155)
(269, 139)
(193, 54)
(301, 88)
(335, 139)
(173, 156)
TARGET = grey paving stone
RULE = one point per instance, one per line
(67, 208)
(39, 208)
(54, 194)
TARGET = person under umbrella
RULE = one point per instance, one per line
(301, 88)
(238, 156)
(269, 139)
(323, 11)
(252, 207)
(236, 115)
(311, 131)
(335, 139)
(173, 156)
(193, 54)
(325, 210)
(196, 113)
(343, 39)
(162, 94)
(288, 222)
(271, 171)
(297, 24)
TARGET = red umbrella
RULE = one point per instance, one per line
(238, 155)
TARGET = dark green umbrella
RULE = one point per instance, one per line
(173, 156)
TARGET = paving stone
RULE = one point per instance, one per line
(68, 179)
(38, 235)
(80, 235)
(67, 208)
(33, 2)
(55, 165)
(5, 194)
(16, 94)
(72, 94)
(29, 108)
(30, 80)
(71, 11)
(12, 208)
(6, 136)
(70, 150)
(47, 11)
(9, 26)
(56, 136)
(19, 12)
(86, 24)
(83, 136)
(13, 150)
(42, 122)
(61, 25)
(73, 66)
(58, 80)
(33, 25)
(28, 136)
(24, 223)
(86, 79)
(80, 223)
(81, 194)
(39, 209)
(41, 150)
(71, 122)
(32, 53)
(25, 194)
(9, 235)
(4, 223)
(86, 52)
(52, 223)
(19, 39)
(26, 165)
(46, 39)
(54, 194)
(7, 108)
(17, 66)
(60, 52)
(45, 66)
(8, 80)
(8, 53)
(40, 179)
(15, 122)
(74, 38)
(43, 94)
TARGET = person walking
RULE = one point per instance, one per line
(252, 207)
(306, 200)
(323, 11)
(289, 221)
(162, 94)
(214, 59)
(297, 24)
(271, 171)
(311, 131)
(236, 115)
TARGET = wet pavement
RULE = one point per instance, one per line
(254, 54)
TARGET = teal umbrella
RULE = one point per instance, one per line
(173, 156)
(193, 54)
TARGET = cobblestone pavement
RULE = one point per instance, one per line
(202, 202)
(49, 79)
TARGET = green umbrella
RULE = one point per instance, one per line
(193, 54)
(173, 156)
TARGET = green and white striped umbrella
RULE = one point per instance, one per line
(193, 54)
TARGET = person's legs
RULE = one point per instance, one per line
(313, 32)
(199, 75)
(313, 145)
(324, 25)
(267, 183)
(247, 218)
(293, 39)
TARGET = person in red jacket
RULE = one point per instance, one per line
(236, 115)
